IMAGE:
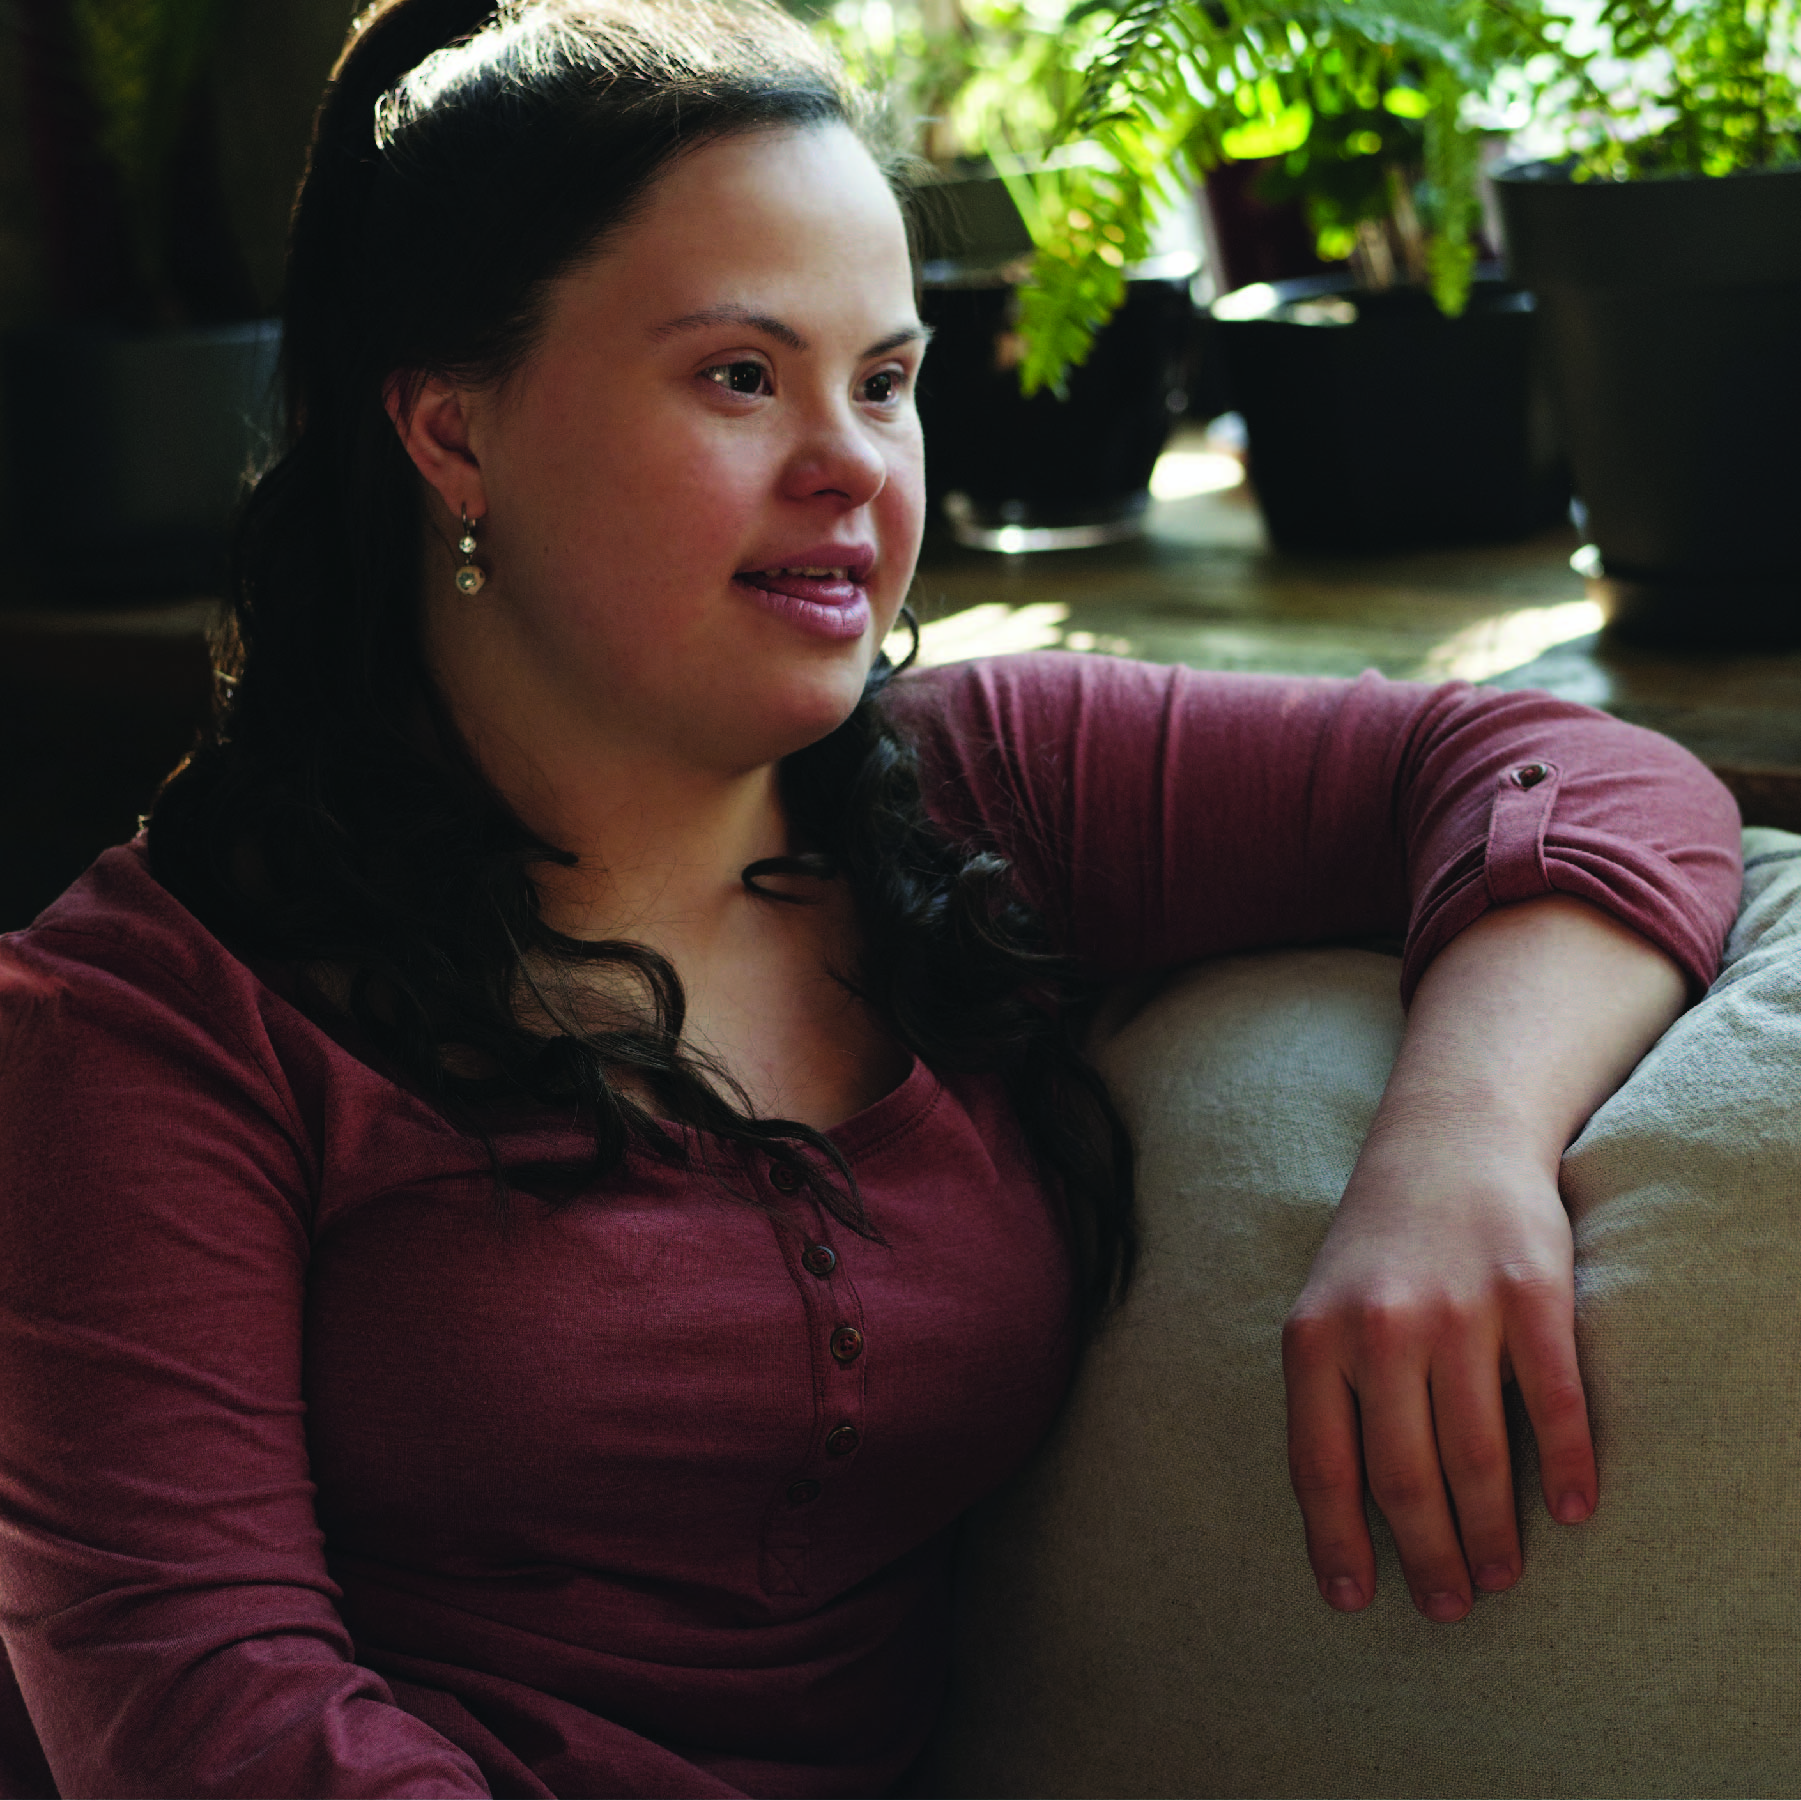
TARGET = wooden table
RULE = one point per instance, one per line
(1202, 587)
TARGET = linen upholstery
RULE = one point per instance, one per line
(1137, 1613)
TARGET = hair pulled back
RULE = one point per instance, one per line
(333, 818)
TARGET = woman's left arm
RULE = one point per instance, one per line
(1561, 877)
(1449, 1267)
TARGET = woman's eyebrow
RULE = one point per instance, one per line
(732, 315)
(774, 328)
(908, 334)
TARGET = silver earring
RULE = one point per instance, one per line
(470, 574)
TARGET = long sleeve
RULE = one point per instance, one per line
(163, 1589)
(1156, 815)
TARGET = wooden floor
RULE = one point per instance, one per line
(96, 705)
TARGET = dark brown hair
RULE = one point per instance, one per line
(334, 819)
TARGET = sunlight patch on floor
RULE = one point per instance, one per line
(992, 630)
(1492, 646)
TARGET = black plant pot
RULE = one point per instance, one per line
(1376, 423)
(1011, 473)
(1672, 316)
(129, 453)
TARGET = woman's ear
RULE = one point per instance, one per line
(434, 430)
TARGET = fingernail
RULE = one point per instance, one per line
(1495, 1575)
(1343, 1593)
(1446, 1607)
(1572, 1507)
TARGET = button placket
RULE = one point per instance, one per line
(834, 1312)
(844, 1344)
(836, 1346)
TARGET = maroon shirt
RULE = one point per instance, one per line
(316, 1481)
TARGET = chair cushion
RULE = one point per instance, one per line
(1137, 1616)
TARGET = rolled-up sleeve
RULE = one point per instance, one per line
(1158, 814)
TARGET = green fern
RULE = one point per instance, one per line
(1172, 80)
(1449, 203)
(1728, 95)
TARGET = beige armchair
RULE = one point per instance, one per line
(1137, 1614)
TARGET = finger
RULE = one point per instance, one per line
(1471, 1426)
(1550, 1382)
(1401, 1456)
(1326, 1467)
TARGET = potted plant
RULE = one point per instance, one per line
(1661, 238)
(1163, 90)
(1662, 234)
(133, 414)
(1010, 468)
(1397, 402)
(1394, 404)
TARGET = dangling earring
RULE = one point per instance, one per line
(470, 574)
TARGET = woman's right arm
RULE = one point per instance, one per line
(163, 1590)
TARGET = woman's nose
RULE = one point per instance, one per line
(837, 458)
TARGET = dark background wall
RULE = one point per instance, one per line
(95, 709)
(271, 64)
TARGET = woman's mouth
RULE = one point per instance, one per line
(826, 601)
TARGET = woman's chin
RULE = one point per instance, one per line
(816, 708)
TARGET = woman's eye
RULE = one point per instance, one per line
(740, 378)
(885, 386)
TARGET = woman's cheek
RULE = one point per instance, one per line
(906, 494)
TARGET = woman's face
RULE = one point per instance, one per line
(701, 501)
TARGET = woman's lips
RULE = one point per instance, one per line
(828, 606)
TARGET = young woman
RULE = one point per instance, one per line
(540, 1190)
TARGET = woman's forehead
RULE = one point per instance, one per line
(769, 222)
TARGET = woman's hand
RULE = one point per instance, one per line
(1449, 1268)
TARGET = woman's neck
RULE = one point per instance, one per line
(660, 845)
(660, 851)
(660, 816)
